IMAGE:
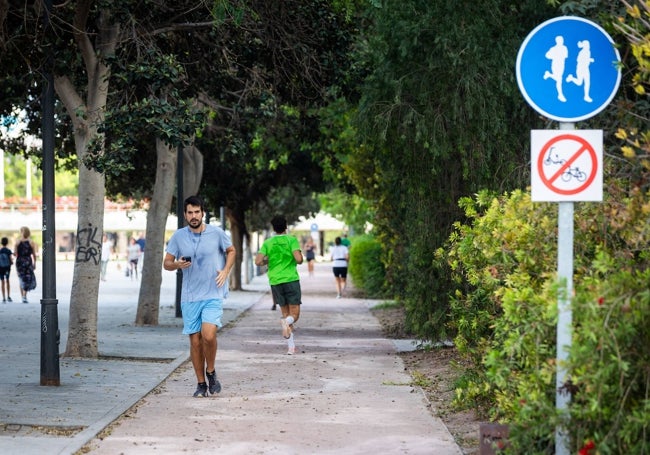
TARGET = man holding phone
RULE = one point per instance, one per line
(205, 255)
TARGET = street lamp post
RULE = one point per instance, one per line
(179, 215)
(50, 334)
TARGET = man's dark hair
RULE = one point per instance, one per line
(337, 241)
(279, 224)
(195, 201)
(5, 240)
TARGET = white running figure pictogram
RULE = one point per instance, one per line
(557, 55)
(583, 75)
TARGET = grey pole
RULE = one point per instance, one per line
(180, 216)
(565, 316)
(50, 334)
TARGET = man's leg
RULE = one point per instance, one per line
(291, 314)
(209, 338)
(196, 354)
(294, 311)
(198, 362)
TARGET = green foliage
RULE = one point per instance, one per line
(268, 74)
(504, 313)
(351, 207)
(366, 269)
(148, 104)
(437, 126)
(610, 359)
(292, 202)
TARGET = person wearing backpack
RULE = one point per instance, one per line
(6, 261)
(25, 252)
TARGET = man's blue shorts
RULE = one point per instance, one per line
(196, 313)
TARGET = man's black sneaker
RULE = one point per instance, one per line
(215, 385)
(201, 390)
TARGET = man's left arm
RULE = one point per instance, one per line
(222, 275)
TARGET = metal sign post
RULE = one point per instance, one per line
(567, 70)
(565, 317)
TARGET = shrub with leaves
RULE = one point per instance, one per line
(505, 314)
(366, 269)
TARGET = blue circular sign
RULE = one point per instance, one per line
(568, 69)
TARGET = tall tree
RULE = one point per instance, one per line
(95, 41)
(280, 64)
(441, 117)
(153, 118)
(85, 48)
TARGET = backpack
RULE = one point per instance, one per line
(5, 261)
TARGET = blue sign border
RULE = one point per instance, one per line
(542, 94)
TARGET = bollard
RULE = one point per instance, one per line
(493, 438)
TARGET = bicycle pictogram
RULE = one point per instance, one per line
(553, 159)
(564, 165)
(574, 172)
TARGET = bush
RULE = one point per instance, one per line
(366, 268)
(504, 313)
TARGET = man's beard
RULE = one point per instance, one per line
(194, 224)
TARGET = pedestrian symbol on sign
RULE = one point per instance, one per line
(583, 75)
(567, 69)
(558, 55)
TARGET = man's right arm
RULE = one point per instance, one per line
(261, 260)
(170, 262)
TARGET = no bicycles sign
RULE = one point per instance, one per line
(566, 165)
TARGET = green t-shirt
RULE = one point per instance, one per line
(282, 265)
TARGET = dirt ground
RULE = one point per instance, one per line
(434, 371)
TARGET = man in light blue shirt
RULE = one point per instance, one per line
(205, 255)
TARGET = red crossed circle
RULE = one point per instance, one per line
(582, 146)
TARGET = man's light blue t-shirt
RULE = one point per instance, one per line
(208, 253)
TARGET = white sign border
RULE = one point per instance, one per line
(540, 192)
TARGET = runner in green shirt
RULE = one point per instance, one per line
(282, 254)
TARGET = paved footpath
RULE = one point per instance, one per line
(344, 392)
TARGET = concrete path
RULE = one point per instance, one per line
(344, 392)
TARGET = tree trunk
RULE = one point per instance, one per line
(238, 232)
(86, 116)
(82, 327)
(192, 171)
(161, 201)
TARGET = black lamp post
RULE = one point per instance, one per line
(50, 334)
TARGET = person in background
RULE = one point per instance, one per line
(25, 252)
(206, 256)
(282, 254)
(6, 260)
(310, 254)
(107, 249)
(133, 253)
(141, 243)
(340, 256)
(345, 241)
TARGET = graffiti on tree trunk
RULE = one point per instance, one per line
(88, 246)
